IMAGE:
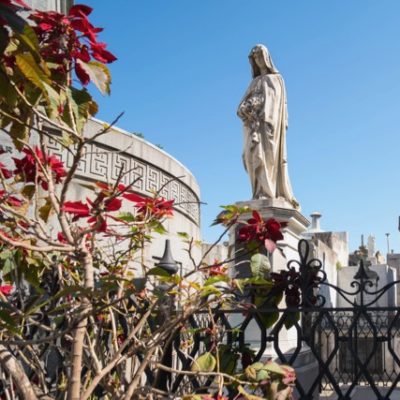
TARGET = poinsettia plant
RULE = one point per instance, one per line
(75, 288)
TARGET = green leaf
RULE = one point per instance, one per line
(159, 228)
(8, 267)
(239, 283)
(32, 274)
(87, 186)
(248, 396)
(7, 92)
(183, 235)
(28, 191)
(268, 319)
(227, 359)
(262, 375)
(10, 324)
(6, 317)
(99, 75)
(205, 363)
(208, 290)
(29, 38)
(53, 101)
(259, 282)
(19, 134)
(251, 373)
(5, 254)
(126, 217)
(258, 366)
(45, 210)
(274, 368)
(31, 70)
(83, 106)
(260, 266)
(158, 271)
(216, 279)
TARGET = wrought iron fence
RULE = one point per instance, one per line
(335, 350)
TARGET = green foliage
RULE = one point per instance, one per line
(260, 266)
(74, 271)
(204, 363)
(228, 359)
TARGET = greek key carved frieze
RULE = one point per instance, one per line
(106, 164)
(120, 167)
(100, 163)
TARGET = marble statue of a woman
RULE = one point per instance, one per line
(263, 111)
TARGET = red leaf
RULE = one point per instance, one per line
(77, 208)
(81, 73)
(133, 197)
(274, 229)
(6, 289)
(103, 185)
(79, 10)
(113, 204)
(7, 174)
(101, 54)
(257, 216)
(22, 4)
(61, 238)
(10, 200)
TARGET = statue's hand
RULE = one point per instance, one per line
(255, 138)
(244, 111)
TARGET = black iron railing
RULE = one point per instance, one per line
(335, 350)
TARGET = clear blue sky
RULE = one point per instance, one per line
(182, 69)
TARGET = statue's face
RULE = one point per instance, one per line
(258, 58)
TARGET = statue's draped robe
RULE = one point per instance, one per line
(264, 153)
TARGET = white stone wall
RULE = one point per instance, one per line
(46, 5)
(331, 248)
(386, 275)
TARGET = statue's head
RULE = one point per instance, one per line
(261, 61)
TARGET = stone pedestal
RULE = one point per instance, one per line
(282, 211)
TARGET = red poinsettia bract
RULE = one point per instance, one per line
(93, 210)
(6, 289)
(6, 173)
(258, 230)
(10, 200)
(28, 169)
(70, 39)
(217, 269)
(96, 211)
(156, 207)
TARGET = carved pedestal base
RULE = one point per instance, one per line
(282, 211)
